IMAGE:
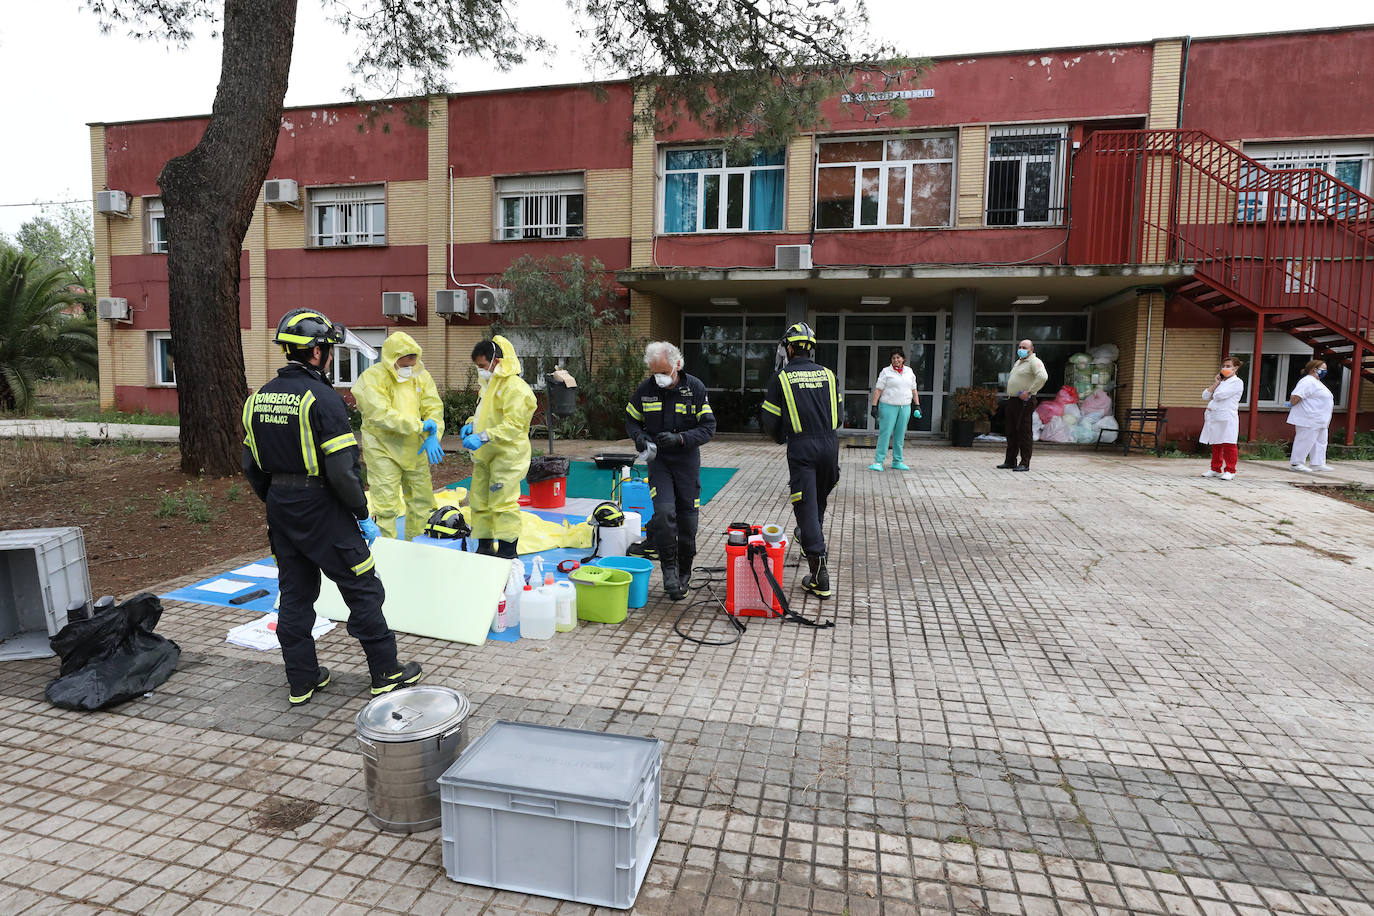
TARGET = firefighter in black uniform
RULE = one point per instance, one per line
(802, 408)
(301, 458)
(669, 411)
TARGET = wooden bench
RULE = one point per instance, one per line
(1140, 423)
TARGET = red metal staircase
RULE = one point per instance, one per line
(1292, 249)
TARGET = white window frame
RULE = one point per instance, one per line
(155, 361)
(1286, 348)
(361, 207)
(723, 173)
(1059, 133)
(1253, 206)
(373, 337)
(883, 166)
(154, 226)
(541, 204)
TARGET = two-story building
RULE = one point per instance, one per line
(1180, 198)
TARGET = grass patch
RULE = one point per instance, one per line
(120, 416)
(1265, 450)
(25, 462)
(186, 503)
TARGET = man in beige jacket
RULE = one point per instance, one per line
(1026, 378)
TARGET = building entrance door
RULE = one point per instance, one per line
(862, 347)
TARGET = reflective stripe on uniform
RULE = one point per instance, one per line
(791, 403)
(772, 408)
(338, 442)
(652, 406)
(797, 497)
(680, 408)
(696, 503)
(834, 400)
(704, 409)
(248, 438)
(633, 411)
(312, 465)
(364, 566)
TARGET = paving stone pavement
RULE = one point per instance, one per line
(1106, 686)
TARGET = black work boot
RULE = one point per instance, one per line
(408, 675)
(684, 569)
(301, 697)
(506, 549)
(818, 582)
(485, 546)
(672, 582)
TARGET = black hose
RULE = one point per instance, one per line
(711, 576)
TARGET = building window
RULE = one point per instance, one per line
(543, 350)
(154, 225)
(885, 182)
(1056, 338)
(540, 207)
(733, 355)
(164, 372)
(348, 364)
(715, 190)
(1350, 162)
(859, 345)
(1281, 368)
(347, 216)
(1026, 176)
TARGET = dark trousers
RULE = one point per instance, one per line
(813, 467)
(675, 488)
(312, 533)
(1018, 416)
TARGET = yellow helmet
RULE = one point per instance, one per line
(303, 329)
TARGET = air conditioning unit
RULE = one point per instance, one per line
(490, 301)
(112, 203)
(281, 192)
(792, 257)
(113, 309)
(398, 305)
(451, 302)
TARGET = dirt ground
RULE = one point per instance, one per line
(144, 521)
(1353, 494)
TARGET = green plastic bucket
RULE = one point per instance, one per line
(603, 594)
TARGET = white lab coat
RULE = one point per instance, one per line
(1314, 410)
(1222, 424)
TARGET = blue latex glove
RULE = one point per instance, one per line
(472, 442)
(429, 427)
(431, 449)
(466, 430)
(369, 529)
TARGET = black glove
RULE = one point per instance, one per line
(667, 440)
(874, 411)
(641, 443)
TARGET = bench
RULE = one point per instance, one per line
(1140, 423)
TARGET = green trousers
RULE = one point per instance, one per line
(892, 420)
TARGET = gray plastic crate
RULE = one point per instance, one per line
(42, 573)
(558, 812)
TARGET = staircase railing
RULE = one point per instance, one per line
(1274, 239)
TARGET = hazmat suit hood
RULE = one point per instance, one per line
(504, 409)
(397, 345)
(509, 363)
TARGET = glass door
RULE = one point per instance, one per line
(859, 347)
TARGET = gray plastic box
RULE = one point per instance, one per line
(558, 812)
(42, 573)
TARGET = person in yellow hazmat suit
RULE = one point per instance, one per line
(403, 419)
(498, 436)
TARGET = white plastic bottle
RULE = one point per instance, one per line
(514, 585)
(537, 613)
(565, 602)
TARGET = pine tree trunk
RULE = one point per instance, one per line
(209, 195)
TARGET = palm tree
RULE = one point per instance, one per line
(36, 339)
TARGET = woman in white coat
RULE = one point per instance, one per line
(1310, 415)
(1221, 428)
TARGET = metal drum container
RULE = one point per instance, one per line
(408, 739)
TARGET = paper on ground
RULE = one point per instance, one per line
(431, 591)
(224, 586)
(257, 571)
(256, 635)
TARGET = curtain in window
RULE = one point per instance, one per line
(680, 203)
(765, 199)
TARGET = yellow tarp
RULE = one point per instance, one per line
(536, 533)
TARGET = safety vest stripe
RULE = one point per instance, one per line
(791, 404)
(680, 408)
(248, 438)
(772, 408)
(364, 566)
(633, 411)
(338, 443)
(704, 409)
(312, 464)
(834, 400)
(797, 497)
(652, 406)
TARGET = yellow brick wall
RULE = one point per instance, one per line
(434, 339)
(609, 197)
(102, 266)
(407, 213)
(1165, 73)
(799, 177)
(643, 191)
(126, 235)
(283, 227)
(258, 364)
(1117, 325)
(472, 210)
(1190, 360)
(973, 157)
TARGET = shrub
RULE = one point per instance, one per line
(973, 403)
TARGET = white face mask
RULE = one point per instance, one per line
(484, 374)
(405, 372)
(661, 380)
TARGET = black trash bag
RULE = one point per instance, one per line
(547, 467)
(113, 656)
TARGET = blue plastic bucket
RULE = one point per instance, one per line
(634, 497)
(639, 569)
